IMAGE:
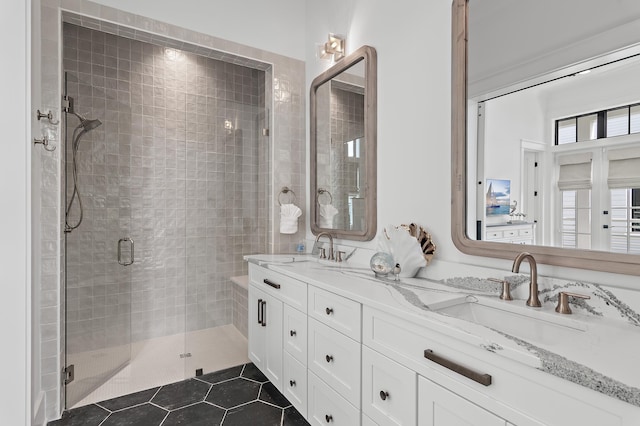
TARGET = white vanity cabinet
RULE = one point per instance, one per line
(265, 334)
(276, 300)
(521, 233)
(531, 399)
(342, 359)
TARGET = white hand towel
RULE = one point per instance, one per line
(327, 212)
(289, 214)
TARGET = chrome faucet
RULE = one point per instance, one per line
(330, 257)
(533, 285)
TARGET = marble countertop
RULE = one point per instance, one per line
(595, 347)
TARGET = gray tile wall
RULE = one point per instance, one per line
(240, 309)
(347, 124)
(176, 167)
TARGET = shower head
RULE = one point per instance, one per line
(87, 124)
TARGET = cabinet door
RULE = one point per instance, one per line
(295, 383)
(388, 390)
(335, 358)
(327, 407)
(295, 333)
(438, 406)
(257, 333)
(265, 334)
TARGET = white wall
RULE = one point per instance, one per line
(509, 120)
(512, 47)
(412, 38)
(14, 215)
(412, 41)
(275, 26)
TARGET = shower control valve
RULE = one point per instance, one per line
(45, 143)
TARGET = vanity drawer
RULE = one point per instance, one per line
(510, 233)
(289, 290)
(405, 342)
(388, 390)
(525, 232)
(295, 333)
(493, 235)
(327, 407)
(335, 311)
(295, 383)
(335, 358)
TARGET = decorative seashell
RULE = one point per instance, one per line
(424, 238)
(405, 249)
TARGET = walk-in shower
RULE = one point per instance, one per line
(173, 157)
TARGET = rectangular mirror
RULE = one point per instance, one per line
(546, 131)
(343, 106)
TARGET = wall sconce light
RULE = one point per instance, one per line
(334, 47)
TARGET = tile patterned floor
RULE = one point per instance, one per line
(239, 396)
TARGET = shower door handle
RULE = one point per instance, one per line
(131, 251)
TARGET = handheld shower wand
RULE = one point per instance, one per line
(85, 126)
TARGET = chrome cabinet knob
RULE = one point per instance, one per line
(384, 395)
(329, 311)
(292, 333)
(329, 358)
(292, 383)
(328, 418)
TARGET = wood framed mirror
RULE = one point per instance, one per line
(343, 122)
(534, 64)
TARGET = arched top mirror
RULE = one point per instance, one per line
(546, 131)
(343, 106)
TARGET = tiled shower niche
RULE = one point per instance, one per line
(179, 165)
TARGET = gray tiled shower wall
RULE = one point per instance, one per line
(340, 115)
(181, 167)
(347, 124)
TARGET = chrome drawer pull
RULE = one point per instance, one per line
(329, 358)
(384, 395)
(483, 379)
(271, 283)
(259, 311)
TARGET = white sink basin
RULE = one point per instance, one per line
(513, 318)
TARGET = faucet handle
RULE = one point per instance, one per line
(339, 256)
(323, 253)
(563, 301)
(506, 288)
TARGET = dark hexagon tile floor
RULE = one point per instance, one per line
(239, 395)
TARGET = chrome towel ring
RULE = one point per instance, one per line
(322, 191)
(286, 191)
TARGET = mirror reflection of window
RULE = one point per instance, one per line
(625, 220)
(576, 219)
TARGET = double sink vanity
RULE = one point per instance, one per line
(347, 348)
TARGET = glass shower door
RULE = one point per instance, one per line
(99, 246)
(226, 209)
